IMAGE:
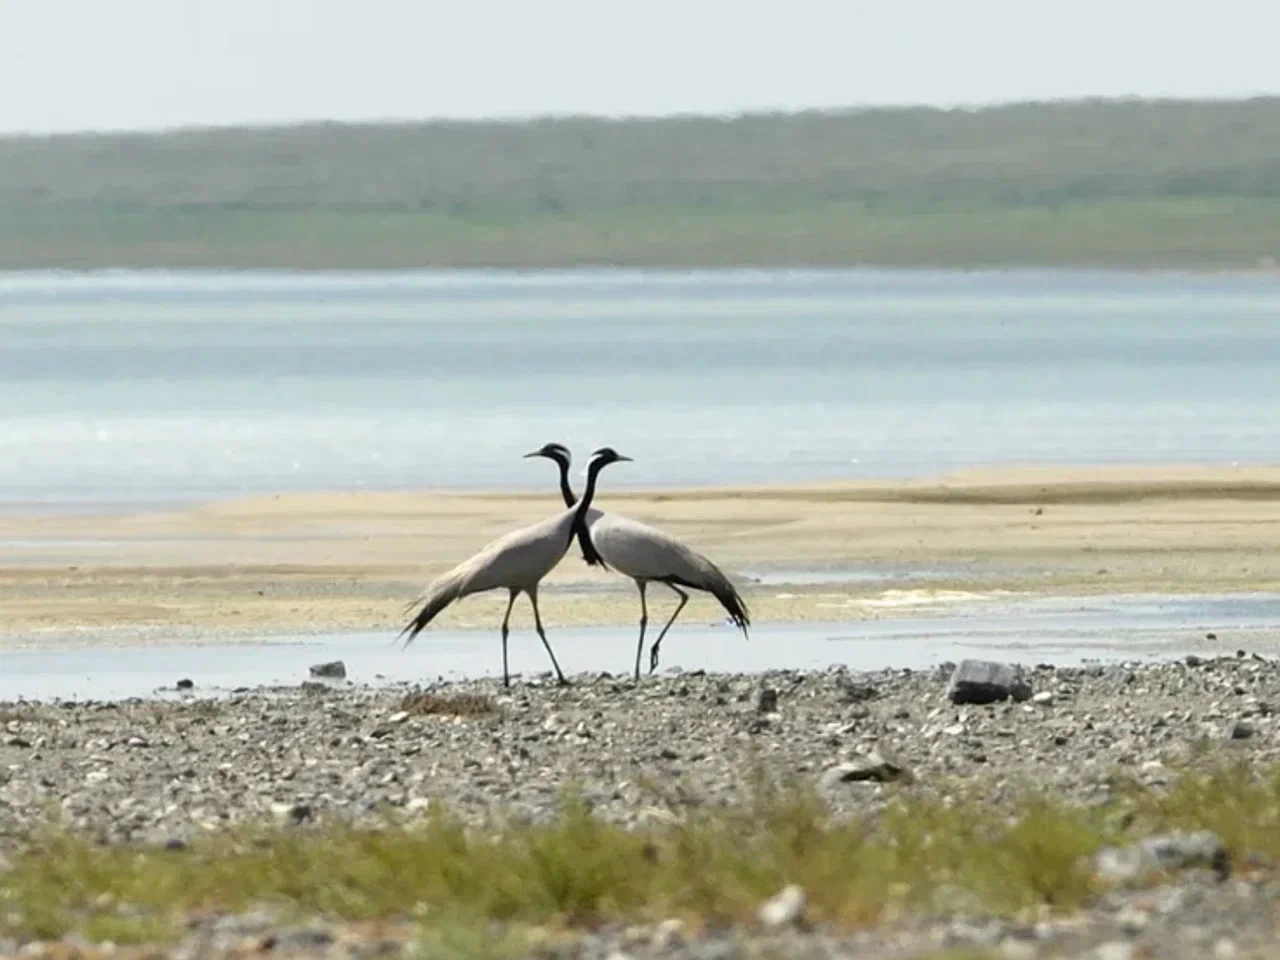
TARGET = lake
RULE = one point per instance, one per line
(130, 388)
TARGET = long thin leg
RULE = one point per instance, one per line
(653, 651)
(506, 622)
(537, 622)
(644, 622)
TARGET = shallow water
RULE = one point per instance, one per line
(1062, 631)
(158, 386)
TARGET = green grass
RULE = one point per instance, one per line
(484, 890)
(1195, 231)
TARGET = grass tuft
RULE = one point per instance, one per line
(478, 892)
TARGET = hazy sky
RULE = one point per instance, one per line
(94, 64)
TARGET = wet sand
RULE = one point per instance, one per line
(324, 563)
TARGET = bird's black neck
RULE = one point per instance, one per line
(566, 490)
(579, 528)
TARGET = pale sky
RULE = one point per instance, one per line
(126, 64)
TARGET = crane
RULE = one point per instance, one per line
(517, 561)
(646, 554)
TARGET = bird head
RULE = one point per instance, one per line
(552, 451)
(607, 455)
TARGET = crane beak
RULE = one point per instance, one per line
(628, 459)
(533, 453)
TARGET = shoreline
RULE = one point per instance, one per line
(338, 562)
(1000, 482)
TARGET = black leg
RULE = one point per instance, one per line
(644, 622)
(537, 622)
(506, 621)
(653, 651)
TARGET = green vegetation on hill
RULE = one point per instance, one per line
(1105, 182)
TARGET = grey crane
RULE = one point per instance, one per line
(517, 562)
(646, 554)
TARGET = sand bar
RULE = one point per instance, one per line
(350, 561)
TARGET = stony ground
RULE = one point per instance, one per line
(160, 772)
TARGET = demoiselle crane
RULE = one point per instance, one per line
(517, 562)
(646, 554)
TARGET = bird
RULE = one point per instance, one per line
(645, 554)
(517, 562)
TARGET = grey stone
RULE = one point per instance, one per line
(1170, 851)
(984, 681)
(1178, 851)
(768, 702)
(1239, 730)
(879, 766)
(334, 670)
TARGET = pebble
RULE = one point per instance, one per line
(879, 765)
(785, 909)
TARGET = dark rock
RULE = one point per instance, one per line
(185, 684)
(18, 742)
(334, 670)
(1192, 660)
(984, 681)
(768, 702)
(1239, 730)
(298, 940)
(855, 692)
(1178, 851)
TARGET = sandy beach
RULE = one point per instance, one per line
(350, 561)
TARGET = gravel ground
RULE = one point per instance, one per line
(161, 771)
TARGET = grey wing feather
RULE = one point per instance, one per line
(517, 560)
(644, 552)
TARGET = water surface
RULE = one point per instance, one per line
(159, 387)
(1061, 631)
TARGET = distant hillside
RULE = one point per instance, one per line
(1108, 182)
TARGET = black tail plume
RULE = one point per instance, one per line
(436, 599)
(722, 588)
